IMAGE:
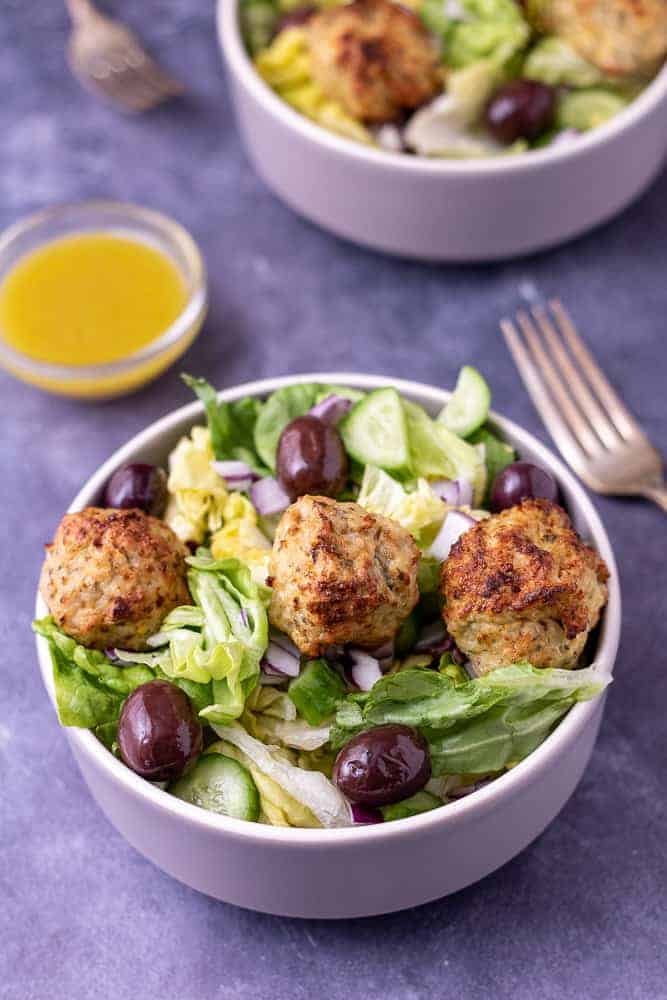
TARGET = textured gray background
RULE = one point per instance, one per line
(581, 913)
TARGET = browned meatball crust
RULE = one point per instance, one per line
(111, 576)
(375, 57)
(340, 575)
(620, 37)
(521, 585)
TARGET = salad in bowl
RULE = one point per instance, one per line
(457, 78)
(332, 609)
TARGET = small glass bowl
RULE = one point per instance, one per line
(132, 222)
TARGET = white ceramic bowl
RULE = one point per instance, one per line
(437, 209)
(353, 871)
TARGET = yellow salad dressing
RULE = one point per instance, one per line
(89, 299)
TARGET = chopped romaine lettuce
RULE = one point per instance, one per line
(309, 788)
(270, 715)
(587, 109)
(240, 537)
(471, 30)
(438, 453)
(280, 408)
(90, 689)
(316, 692)
(552, 60)
(231, 425)
(497, 455)
(197, 494)
(419, 511)
(416, 804)
(228, 644)
(482, 725)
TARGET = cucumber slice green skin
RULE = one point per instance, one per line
(469, 405)
(375, 432)
(221, 785)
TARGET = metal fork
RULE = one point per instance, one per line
(108, 58)
(592, 428)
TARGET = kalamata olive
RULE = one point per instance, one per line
(295, 18)
(138, 485)
(159, 734)
(383, 765)
(522, 481)
(311, 459)
(521, 109)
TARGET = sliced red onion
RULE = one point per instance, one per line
(457, 492)
(565, 137)
(365, 814)
(432, 638)
(110, 653)
(269, 497)
(279, 661)
(280, 639)
(384, 654)
(237, 475)
(271, 680)
(447, 490)
(455, 524)
(390, 137)
(465, 492)
(365, 669)
(331, 409)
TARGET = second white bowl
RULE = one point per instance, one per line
(445, 210)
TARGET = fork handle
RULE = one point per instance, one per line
(658, 494)
(82, 10)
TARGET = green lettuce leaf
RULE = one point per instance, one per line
(419, 510)
(437, 453)
(280, 408)
(220, 640)
(312, 789)
(474, 727)
(552, 60)
(90, 689)
(493, 30)
(232, 425)
(497, 455)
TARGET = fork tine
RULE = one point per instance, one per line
(567, 408)
(552, 419)
(620, 416)
(601, 423)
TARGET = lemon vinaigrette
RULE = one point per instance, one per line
(89, 299)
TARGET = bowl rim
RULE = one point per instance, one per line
(506, 786)
(138, 217)
(241, 67)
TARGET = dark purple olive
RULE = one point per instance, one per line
(383, 765)
(138, 485)
(311, 459)
(522, 481)
(159, 734)
(521, 109)
(295, 18)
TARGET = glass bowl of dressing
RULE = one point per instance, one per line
(97, 298)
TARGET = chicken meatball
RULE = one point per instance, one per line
(340, 575)
(521, 585)
(375, 57)
(620, 37)
(111, 576)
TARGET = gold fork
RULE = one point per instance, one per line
(108, 58)
(592, 428)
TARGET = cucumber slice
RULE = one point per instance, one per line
(469, 406)
(375, 432)
(221, 785)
